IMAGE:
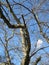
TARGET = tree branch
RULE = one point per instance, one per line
(37, 60)
(15, 17)
(35, 16)
(8, 23)
(38, 50)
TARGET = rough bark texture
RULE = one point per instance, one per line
(26, 46)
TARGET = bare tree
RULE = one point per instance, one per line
(26, 16)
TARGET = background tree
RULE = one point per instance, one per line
(23, 23)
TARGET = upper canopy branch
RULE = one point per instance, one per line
(15, 17)
(8, 23)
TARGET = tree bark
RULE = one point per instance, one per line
(26, 46)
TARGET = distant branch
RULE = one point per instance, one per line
(38, 50)
(15, 48)
(38, 22)
(2, 42)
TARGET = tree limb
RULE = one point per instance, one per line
(8, 23)
(36, 18)
(15, 17)
(38, 50)
(37, 60)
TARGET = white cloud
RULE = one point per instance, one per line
(39, 43)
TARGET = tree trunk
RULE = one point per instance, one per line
(26, 46)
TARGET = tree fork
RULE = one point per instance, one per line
(26, 44)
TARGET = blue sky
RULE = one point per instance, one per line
(33, 30)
